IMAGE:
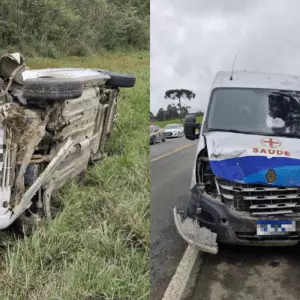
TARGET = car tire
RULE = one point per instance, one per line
(120, 80)
(52, 89)
(152, 140)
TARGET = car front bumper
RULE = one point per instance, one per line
(171, 134)
(207, 220)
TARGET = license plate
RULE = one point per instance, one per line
(275, 227)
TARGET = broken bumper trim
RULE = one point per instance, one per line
(193, 234)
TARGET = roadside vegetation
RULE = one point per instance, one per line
(55, 28)
(98, 247)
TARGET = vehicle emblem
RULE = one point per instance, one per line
(271, 142)
(271, 176)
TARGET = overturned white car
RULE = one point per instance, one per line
(53, 122)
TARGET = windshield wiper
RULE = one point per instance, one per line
(233, 131)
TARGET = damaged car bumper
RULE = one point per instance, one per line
(207, 221)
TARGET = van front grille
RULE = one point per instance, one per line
(260, 200)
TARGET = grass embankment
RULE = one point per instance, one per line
(162, 124)
(98, 247)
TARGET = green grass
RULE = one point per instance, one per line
(98, 247)
(162, 124)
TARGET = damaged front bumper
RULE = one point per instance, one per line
(193, 234)
(207, 221)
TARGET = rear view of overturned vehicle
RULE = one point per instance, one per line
(245, 185)
(53, 122)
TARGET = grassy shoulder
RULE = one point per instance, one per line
(98, 247)
(162, 124)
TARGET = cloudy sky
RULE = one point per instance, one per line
(193, 39)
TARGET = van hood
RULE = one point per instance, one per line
(254, 159)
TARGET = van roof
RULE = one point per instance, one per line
(244, 79)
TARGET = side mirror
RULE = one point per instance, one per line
(191, 128)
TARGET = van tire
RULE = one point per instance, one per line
(52, 89)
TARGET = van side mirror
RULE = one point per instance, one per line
(191, 128)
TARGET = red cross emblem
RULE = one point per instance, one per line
(270, 142)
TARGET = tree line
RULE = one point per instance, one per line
(178, 110)
(171, 114)
(73, 27)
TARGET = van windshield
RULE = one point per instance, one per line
(256, 111)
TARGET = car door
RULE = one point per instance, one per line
(152, 131)
(181, 129)
(158, 133)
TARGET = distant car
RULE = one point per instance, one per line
(156, 134)
(174, 130)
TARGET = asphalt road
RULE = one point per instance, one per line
(243, 273)
(170, 181)
(235, 273)
(168, 146)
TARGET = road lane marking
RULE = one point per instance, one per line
(172, 152)
(184, 279)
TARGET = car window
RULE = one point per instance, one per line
(171, 126)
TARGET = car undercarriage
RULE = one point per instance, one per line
(53, 122)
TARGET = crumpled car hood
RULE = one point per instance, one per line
(247, 158)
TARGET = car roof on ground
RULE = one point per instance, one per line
(245, 79)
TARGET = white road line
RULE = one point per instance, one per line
(172, 152)
(185, 276)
